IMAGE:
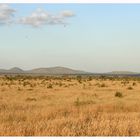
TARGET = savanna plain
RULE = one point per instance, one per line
(69, 106)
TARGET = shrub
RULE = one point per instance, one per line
(26, 83)
(102, 85)
(79, 78)
(19, 88)
(129, 88)
(31, 99)
(60, 84)
(77, 102)
(89, 78)
(134, 84)
(118, 94)
(50, 86)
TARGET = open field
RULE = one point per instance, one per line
(69, 106)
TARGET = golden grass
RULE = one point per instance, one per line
(40, 106)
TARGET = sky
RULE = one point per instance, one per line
(90, 37)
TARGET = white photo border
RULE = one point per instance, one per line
(70, 1)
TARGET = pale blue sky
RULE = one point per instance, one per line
(99, 38)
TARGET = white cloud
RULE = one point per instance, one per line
(37, 18)
(6, 14)
(41, 17)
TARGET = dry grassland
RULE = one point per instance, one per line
(68, 106)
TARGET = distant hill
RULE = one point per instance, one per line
(16, 70)
(122, 73)
(60, 71)
(12, 70)
(56, 70)
(50, 70)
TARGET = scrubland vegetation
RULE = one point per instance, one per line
(69, 106)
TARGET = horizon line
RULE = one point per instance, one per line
(138, 72)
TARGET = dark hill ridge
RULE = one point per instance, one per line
(60, 71)
(16, 70)
(50, 70)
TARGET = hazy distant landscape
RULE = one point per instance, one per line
(47, 71)
(62, 71)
